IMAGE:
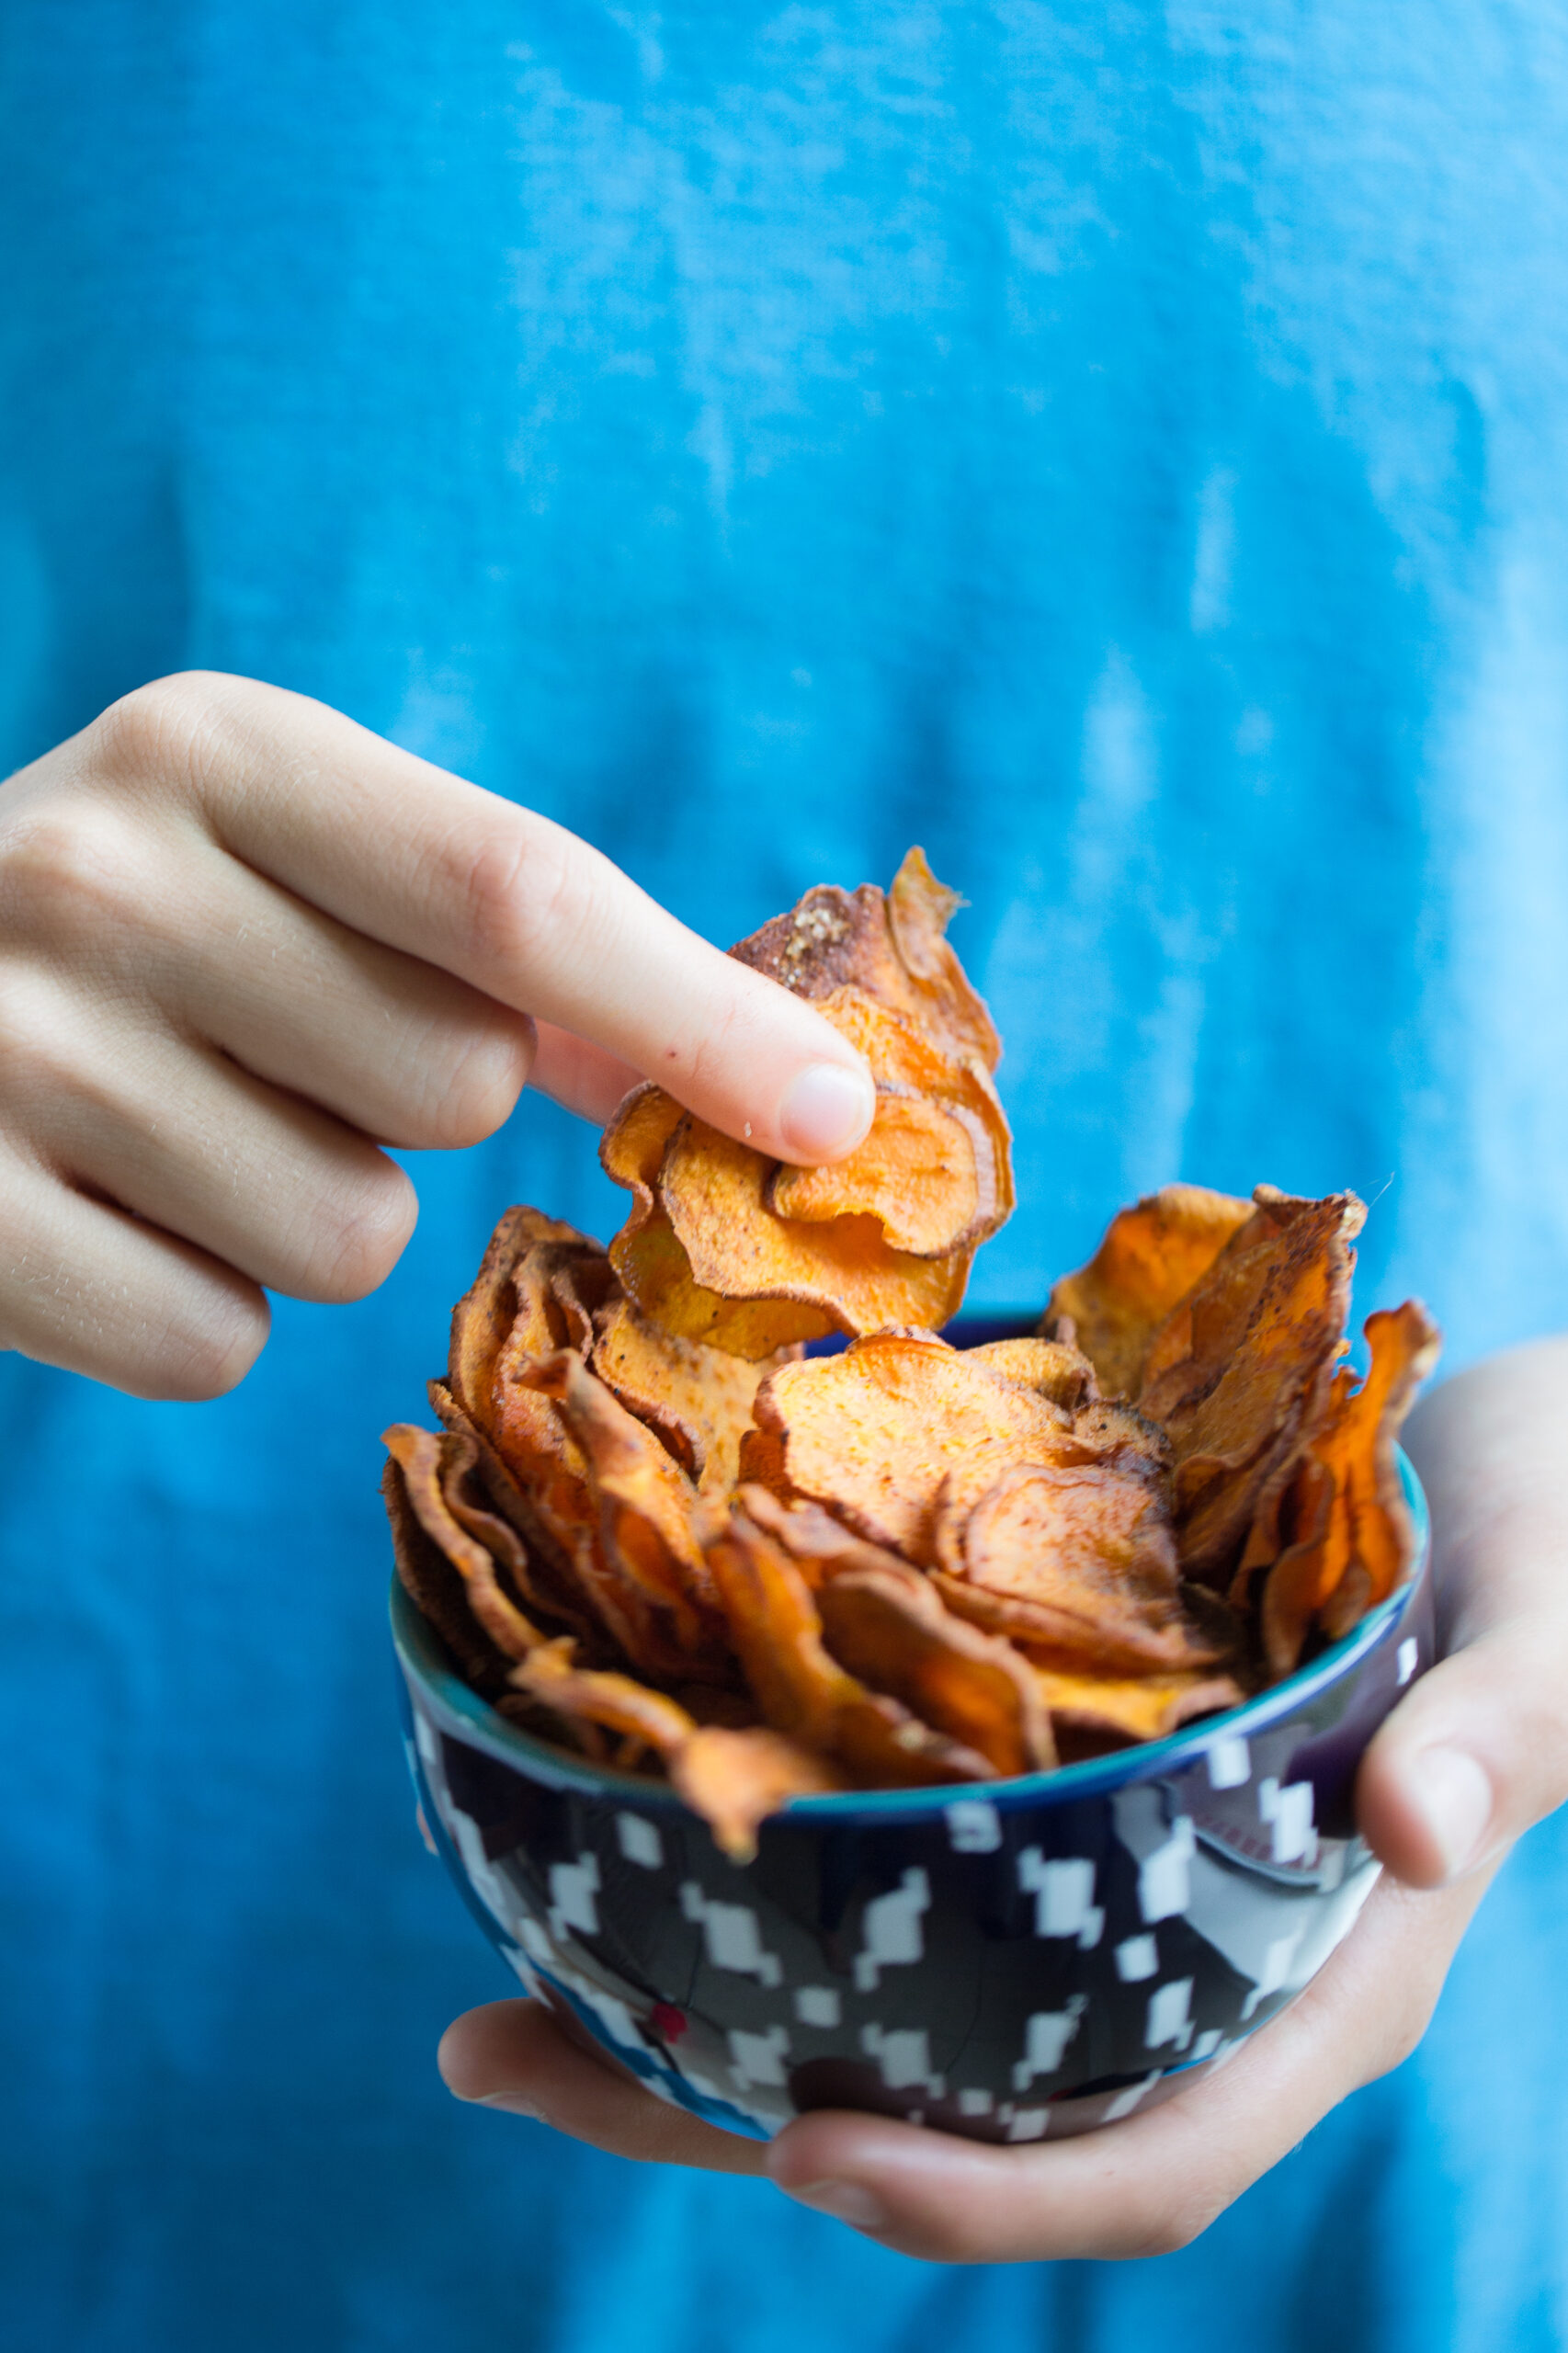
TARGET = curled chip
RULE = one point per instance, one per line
(1354, 1538)
(651, 1529)
(697, 1399)
(1150, 1259)
(889, 1627)
(1060, 1374)
(802, 1691)
(894, 949)
(484, 1317)
(647, 1505)
(844, 1271)
(1238, 1375)
(734, 1780)
(428, 1462)
(1090, 1712)
(726, 1246)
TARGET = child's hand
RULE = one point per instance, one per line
(1476, 1753)
(244, 943)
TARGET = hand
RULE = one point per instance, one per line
(1477, 1751)
(244, 943)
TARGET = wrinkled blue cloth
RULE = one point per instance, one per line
(1121, 447)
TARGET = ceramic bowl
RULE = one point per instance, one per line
(1040, 1958)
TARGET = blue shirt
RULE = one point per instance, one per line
(1121, 449)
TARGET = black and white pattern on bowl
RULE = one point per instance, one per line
(1042, 1958)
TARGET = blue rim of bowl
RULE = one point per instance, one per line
(461, 1712)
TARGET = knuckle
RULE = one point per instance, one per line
(68, 874)
(501, 906)
(479, 1084)
(206, 1358)
(166, 728)
(35, 1059)
(355, 1249)
(529, 900)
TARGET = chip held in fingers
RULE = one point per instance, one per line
(654, 1529)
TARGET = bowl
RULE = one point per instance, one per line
(1042, 1958)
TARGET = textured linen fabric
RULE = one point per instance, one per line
(1119, 445)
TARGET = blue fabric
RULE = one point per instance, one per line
(1121, 447)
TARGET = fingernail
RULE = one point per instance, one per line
(826, 1110)
(510, 2105)
(1455, 1796)
(845, 2201)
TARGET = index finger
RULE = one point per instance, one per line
(411, 856)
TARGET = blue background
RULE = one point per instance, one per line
(1122, 447)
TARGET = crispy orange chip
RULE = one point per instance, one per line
(889, 1627)
(874, 1433)
(892, 949)
(1092, 1551)
(1207, 1634)
(725, 1246)
(1239, 1373)
(424, 1460)
(1093, 1711)
(647, 1502)
(734, 1780)
(484, 1316)
(845, 1271)
(1149, 1260)
(697, 1399)
(926, 1172)
(1060, 1374)
(1354, 1535)
(803, 1691)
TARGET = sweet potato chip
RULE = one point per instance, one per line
(1060, 1374)
(734, 1780)
(1208, 1635)
(1351, 1515)
(894, 948)
(926, 1173)
(1090, 1551)
(1149, 1260)
(1114, 1433)
(1089, 1713)
(885, 1237)
(1239, 1373)
(483, 1318)
(820, 1545)
(890, 1628)
(697, 1399)
(646, 1502)
(845, 1272)
(438, 1591)
(1110, 1435)
(541, 1570)
(936, 1169)
(802, 1691)
(422, 1458)
(873, 1432)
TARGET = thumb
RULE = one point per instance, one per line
(1474, 1755)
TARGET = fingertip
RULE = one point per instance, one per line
(827, 1111)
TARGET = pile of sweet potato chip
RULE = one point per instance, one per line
(654, 1529)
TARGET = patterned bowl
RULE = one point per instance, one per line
(1043, 1958)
